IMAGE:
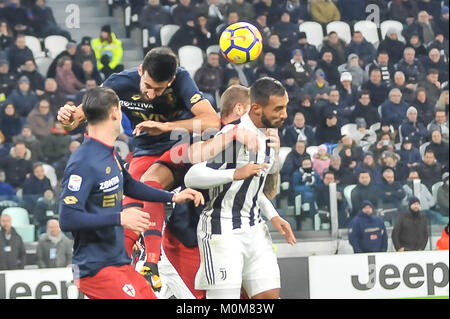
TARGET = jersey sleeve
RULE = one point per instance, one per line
(187, 89)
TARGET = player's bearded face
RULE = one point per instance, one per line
(274, 114)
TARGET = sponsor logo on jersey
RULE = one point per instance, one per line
(131, 104)
(110, 184)
(136, 97)
(129, 290)
(195, 98)
(70, 200)
(74, 183)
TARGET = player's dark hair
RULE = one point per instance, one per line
(264, 88)
(97, 104)
(160, 64)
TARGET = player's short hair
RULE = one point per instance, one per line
(160, 64)
(97, 104)
(264, 88)
(233, 95)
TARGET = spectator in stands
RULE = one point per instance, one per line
(294, 93)
(434, 60)
(336, 168)
(411, 128)
(310, 53)
(88, 71)
(299, 68)
(442, 243)
(60, 165)
(324, 11)
(56, 145)
(442, 21)
(318, 88)
(304, 182)
(321, 160)
(18, 53)
(443, 101)
(348, 91)
(269, 68)
(440, 122)
(442, 199)
(423, 26)
(293, 162)
(299, 10)
(26, 136)
(6, 35)
(364, 109)
(23, 98)
(439, 148)
(41, 120)
(285, 28)
(243, 72)
(184, 11)
(36, 79)
(394, 109)
(243, 8)
(352, 10)
(10, 123)
(71, 49)
(7, 192)
(214, 10)
(366, 189)
(411, 67)
(329, 66)
(279, 49)
(297, 131)
(205, 32)
(414, 42)
(153, 17)
(353, 67)
(108, 51)
(185, 35)
(407, 89)
(391, 191)
(409, 155)
(368, 164)
(84, 52)
(90, 84)
(367, 232)
(8, 79)
(65, 77)
(329, 131)
(209, 77)
(12, 249)
(53, 95)
(383, 63)
(54, 249)
(410, 232)
(43, 21)
(347, 142)
(271, 9)
(306, 106)
(385, 141)
(391, 160)
(17, 16)
(260, 23)
(362, 48)
(46, 209)
(423, 106)
(336, 46)
(363, 136)
(232, 17)
(323, 198)
(432, 85)
(404, 11)
(392, 45)
(34, 186)
(377, 88)
(430, 171)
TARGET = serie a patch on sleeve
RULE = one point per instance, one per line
(74, 183)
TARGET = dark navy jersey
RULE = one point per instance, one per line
(93, 186)
(173, 105)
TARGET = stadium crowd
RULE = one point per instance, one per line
(371, 117)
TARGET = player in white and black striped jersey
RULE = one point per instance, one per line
(234, 242)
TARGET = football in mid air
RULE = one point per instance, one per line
(240, 43)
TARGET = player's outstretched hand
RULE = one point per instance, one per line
(66, 114)
(189, 194)
(135, 219)
(151, 127)
(284, 228)
(249, 170)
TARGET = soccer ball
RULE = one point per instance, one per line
(240, 43)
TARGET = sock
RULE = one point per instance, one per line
(130, 239)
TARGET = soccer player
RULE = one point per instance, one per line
(91, 205)
(234, 242)
(180, 247)
(157, 97)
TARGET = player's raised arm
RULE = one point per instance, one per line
(70, 116)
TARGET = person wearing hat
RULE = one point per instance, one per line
(364, 136)
(318, 87)
(8, 79)
(298, 67)
(108, 51)
(411, 128)
(442, 196)
(71, 49)
(84, 52)
(353, 67)
(410, 231)
(23, 98)
(392, 45)
(442, 21)
(348, 91)
(328, 131)
(304, 182)
(310, 53)
(367, 232)
(365, 110)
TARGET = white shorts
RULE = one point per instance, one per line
(243, 258)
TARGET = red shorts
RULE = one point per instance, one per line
(186, 261)
(114, 282)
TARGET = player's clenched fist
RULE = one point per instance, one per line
(135, 219)
(189, 194)
(66, 114)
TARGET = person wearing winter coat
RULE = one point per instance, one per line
(17, 165)
(54, 249)
(367, 232)
(108, 51)
(12, 249)
(442, 243)
(394, 109)
(41, 120)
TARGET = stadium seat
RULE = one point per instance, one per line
(348, 195)
(50, 173)
(191, 58)
(422, 149)
(284, 152)
(385, 25)
(314, 32)
(375, 126)
(342, 29)
(43, 64)
(369, 30)
(312, 150)
(166, 33)
(349, 129)
(55, 44)
(34, 44)
(21, 223)
(434, 190)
